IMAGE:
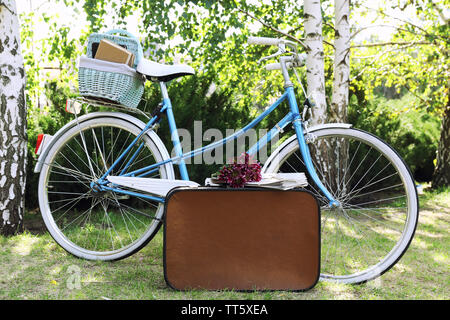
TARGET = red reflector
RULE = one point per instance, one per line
(39, 141)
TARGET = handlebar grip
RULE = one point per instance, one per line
(265, 41)
(272, 66)
(276, 66)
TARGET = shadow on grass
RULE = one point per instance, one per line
(33, 266)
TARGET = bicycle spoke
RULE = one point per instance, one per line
(383, 200)
(372, 218)
(90, 161)
(365, 235)
(359, 195)
(356, 192)
(347, 168)
(65, 212)
(349, 219)
(316, 192)
(368, 229)
(120, 153)
(79, 216)
(76, 154)
(86, 151)
(73, 199)
(99, 150)
(319, 172)
(72, 173)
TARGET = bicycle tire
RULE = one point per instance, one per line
(73, 174)
(386, 205)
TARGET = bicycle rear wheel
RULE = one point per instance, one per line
(88, 223)
(376, 221)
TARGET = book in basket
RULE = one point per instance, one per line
(110, 51)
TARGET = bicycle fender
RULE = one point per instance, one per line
(160, 145)
(293, 137)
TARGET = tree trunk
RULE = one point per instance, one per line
(441, 176)
(315, 77)
(13, 136)
(339, 102)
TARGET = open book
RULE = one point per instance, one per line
(282, 181)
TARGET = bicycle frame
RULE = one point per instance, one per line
(293, 116)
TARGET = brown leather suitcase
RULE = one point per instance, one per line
(241, 239)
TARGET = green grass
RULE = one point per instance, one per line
(33, 266)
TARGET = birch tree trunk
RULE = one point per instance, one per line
(315, 77)
(13, 136)
(339, 101)
(441, 176)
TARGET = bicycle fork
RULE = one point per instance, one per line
(304, 150)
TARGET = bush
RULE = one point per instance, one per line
(48, 119)
(411, 131)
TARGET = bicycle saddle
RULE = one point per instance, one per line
(162, 72)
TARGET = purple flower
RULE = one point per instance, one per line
(241, 171)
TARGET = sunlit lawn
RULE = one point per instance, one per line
(33, 266)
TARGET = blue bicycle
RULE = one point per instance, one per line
(103, 178)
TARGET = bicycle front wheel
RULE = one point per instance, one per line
(378, 213)
(92, 224)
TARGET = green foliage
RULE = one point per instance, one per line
(211, 37)
(414, 60)
(50, 65)
(410, 130)
(417, 60)
(44, 120)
